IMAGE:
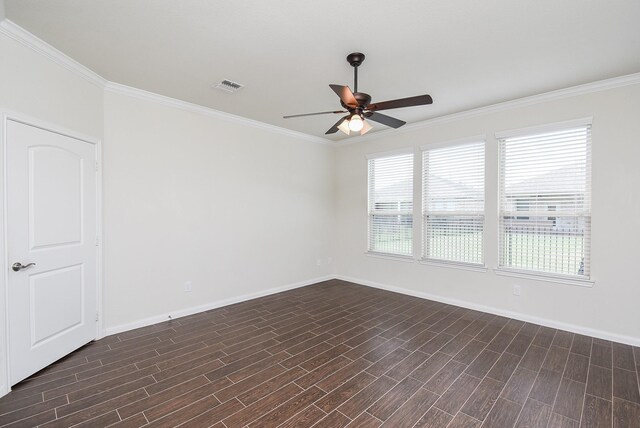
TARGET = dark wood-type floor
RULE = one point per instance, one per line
(331, 355)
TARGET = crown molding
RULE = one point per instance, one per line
(22, 36)
(587, 88)
(206, 111)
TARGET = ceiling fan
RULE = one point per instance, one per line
(359, 106)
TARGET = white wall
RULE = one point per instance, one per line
(610, 308)
(240, 211)
(235, 210)
(32, 85)
(35, 87)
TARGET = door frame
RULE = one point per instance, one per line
(5, 362)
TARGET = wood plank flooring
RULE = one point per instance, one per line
(336, 354)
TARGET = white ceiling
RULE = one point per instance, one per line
(465, 53)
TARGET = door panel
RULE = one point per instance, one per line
(63, 286)
(56, 205)
(51, 221)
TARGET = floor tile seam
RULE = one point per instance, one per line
(57, 372)
(528, 397)
(189, 369)
(109, 389)
(366, 410)
(459, 412)
(102, 364)
(255, 386)
(625, 400)
(198, 415)
(592, 344)
(42, 400)
(405, 402)
(97, 404)
(315, 424)
(178, 384)
(521, 357)
(41, 392)
(286, 401)
(304, 350)
(372, 415)
(319, 380)
(55, 416)
(270, 393)
(455, 380)
(504, 385)
(327, 414)
(351, 360)
(636, 364)
(485, 348)
(555, 399)
(119, 416)
(345, 381)
(181, 408)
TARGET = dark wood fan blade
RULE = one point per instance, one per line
(313, 114)
(402, 102)
(345, 95)
(384, 119)
(334, 128)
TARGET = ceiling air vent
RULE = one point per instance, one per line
(228, 86)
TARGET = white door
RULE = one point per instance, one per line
(51, 222)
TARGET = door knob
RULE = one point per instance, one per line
(17, 267)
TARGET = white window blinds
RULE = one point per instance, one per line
(391, 204)
(545, 202)
(453, 203)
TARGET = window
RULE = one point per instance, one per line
(545, 201)
(453, 203)
(391, 204)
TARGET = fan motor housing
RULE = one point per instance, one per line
(363, 100)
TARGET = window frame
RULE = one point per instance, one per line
(382, 254)
(481, 267)
(553, 277)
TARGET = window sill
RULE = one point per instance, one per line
(395, 257)
(559, 279)
(454, 265)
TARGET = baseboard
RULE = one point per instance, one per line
(208, 306)
(601, 334)
(634, 341)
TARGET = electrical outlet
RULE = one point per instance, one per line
(187, 287)
(516, 290)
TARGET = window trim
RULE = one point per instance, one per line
(559, 278)
(545, 276)
(390, 256)
(474, 267)
(544, 128)
(457, 142)
(390, 153)
(478, 267)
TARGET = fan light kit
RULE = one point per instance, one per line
(359, 107)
